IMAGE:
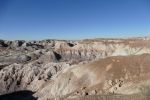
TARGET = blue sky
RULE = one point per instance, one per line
(73, 19)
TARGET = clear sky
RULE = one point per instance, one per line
(73, 19)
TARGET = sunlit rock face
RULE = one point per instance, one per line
(65, 69)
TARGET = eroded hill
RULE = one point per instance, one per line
(62, 69)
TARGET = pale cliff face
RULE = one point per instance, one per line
(59, 69)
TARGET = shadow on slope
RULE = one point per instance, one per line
(20, 95)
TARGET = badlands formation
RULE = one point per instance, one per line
(91, 69)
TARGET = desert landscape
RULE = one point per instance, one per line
(74, 49)
(88, 69)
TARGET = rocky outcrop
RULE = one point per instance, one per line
(64, 69)
(113, 75)
(26, 76)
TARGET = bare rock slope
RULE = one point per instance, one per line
(85, 69)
